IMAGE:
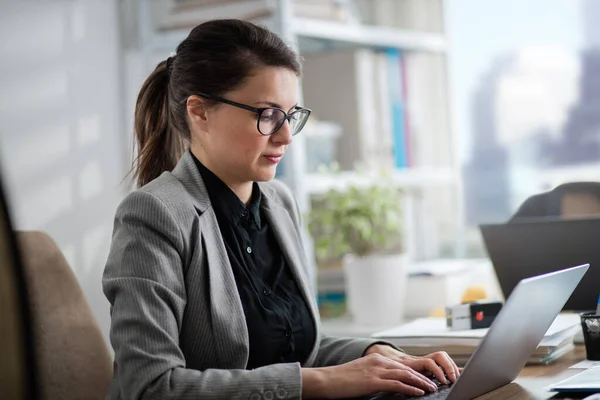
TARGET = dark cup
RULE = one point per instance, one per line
(590, 324)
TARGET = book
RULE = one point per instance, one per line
(429, 335)
(396, 89)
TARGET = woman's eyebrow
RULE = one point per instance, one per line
(272, 104)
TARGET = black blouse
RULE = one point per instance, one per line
(280, 326)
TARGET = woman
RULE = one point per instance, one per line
(207, 275)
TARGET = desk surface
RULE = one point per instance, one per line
(531, 381)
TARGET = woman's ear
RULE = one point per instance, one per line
(196, 110)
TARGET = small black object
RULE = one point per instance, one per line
(590, 324)
(474, 315)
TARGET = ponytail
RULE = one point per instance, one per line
(159, 145)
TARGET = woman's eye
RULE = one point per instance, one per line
(266, 116)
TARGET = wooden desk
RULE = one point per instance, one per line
(530, 383)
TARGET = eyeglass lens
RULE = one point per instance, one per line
(272, 119)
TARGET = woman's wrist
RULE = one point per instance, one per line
(381, 347)
(313, 382)
(375, 348)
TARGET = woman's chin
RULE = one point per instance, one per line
(265, 173)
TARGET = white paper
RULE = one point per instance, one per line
(586, 364)
(588, 380)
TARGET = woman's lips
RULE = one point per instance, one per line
(274, 158)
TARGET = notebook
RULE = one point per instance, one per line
(586, 381)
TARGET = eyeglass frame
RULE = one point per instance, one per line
(259, 111)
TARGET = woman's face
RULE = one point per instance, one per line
(225, 138)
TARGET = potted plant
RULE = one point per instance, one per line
(362, 226)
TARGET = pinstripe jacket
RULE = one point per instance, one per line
(177, 324)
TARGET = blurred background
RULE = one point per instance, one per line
(468, 106)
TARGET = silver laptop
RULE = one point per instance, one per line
(515, 333)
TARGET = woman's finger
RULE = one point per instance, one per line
(444, 361)
(389, 385)
(458, 370)
(396, 365)
(429, 365)
(409, 377)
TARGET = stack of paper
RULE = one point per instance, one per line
(428, 335)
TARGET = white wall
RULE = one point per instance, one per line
(62, 139)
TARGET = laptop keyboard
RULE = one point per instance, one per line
(440, 394)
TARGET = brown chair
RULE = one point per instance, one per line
(73, 359)
(569, 200)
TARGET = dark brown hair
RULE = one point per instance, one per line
(215, 58)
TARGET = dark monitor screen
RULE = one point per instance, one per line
(17, 368)
(524, 249)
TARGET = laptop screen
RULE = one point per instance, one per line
(525, 249)
(17, 371)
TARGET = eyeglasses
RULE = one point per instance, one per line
(270, 119)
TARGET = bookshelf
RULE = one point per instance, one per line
(314, 37)
(339, 35)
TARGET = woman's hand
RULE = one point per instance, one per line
(439, 364)
(365, 376)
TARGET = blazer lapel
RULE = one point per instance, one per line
(227, 314)
(290, 243)
(228, 320)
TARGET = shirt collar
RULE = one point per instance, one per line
(223, 199)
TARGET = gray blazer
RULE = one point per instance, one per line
(178, 328)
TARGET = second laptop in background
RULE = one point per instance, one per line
(525, 249)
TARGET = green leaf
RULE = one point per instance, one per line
(360, 220)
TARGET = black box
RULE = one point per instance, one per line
(472, 315)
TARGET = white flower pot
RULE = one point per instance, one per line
(375, 288)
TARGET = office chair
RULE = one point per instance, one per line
(73, 359)
(569, 200)
(18, 370)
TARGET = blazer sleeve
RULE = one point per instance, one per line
(332, 350)
(144, 283)
(339, 350)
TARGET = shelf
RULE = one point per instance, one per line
(368, 35)
(413, 178)
(332, 34)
